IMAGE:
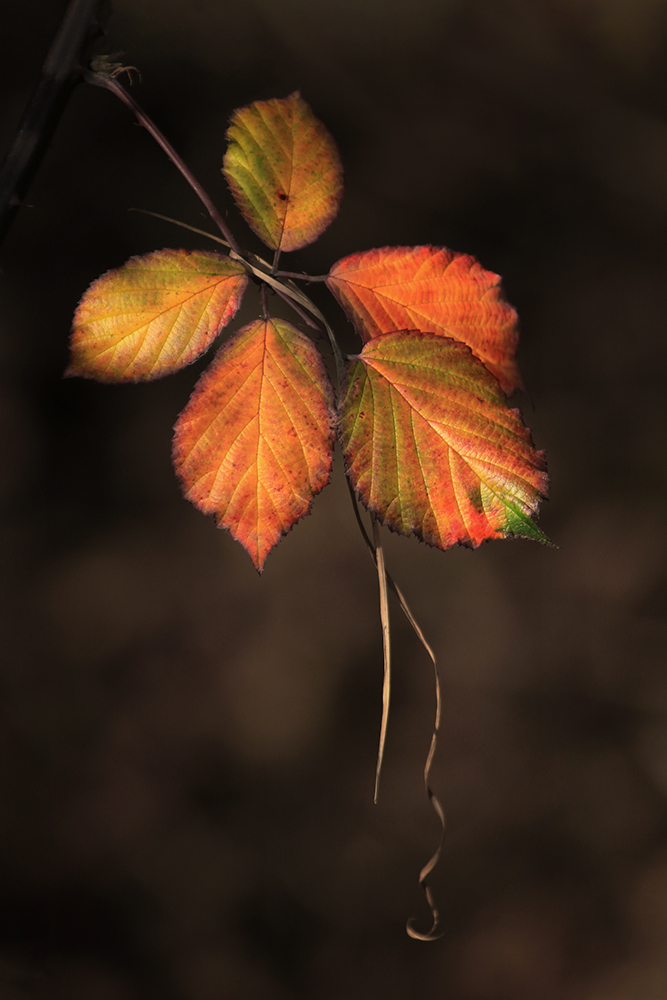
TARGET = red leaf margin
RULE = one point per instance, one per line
(266, 394)
(433, 290)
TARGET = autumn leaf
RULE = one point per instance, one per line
(253, 445)
(434, 290)
(431, 446)
(154, 315)
(284, 171)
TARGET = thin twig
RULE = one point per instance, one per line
(386, 651)
(301, 277)
(432, 934)
(337, 353)
(109, 82)
(183, 225)
(301, 313)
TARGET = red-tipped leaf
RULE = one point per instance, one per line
(431, 446)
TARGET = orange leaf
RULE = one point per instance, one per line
(284, 171)
(433, 290)
(253, 445)
(431, 446)
(154, 315)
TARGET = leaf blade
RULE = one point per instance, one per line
(431, 447)
(154, 315)
(253, 445)
(284, 171)
(433, 290)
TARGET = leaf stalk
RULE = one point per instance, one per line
(109, 82)
(287, 290)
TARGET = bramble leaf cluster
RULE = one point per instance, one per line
(431, 446)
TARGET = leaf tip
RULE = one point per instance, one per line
(520, 526)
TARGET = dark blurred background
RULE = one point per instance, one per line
(187, 750)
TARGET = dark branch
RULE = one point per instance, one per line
(82, 24)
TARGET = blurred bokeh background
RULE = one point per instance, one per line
(187, 750)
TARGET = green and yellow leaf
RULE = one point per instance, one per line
(284, 171)
(253, 445)
(431, 446)
(154, 315)
(433, 290)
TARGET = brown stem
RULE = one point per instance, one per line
(301, 277)
(305, 318)
(424, 874)
(112, 84)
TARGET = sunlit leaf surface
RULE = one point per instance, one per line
(253, 445)
(431, 446)
(154, 315)
(284, 171)
(434, 290)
